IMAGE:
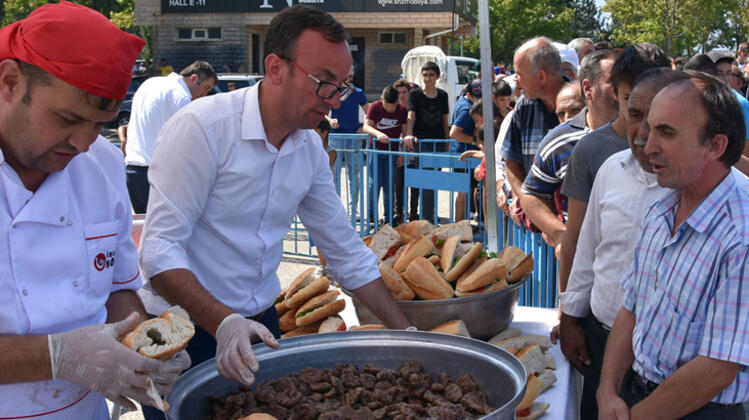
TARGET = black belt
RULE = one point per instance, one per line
(137, 168)
(647, 387)
(257, 317)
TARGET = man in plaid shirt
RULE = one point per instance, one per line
(679, 345)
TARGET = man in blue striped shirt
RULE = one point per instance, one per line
(679, 345)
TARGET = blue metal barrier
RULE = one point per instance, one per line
(359, 189)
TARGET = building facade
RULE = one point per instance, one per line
(230, 33)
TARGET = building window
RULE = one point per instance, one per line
(199, 34)
(392, 37)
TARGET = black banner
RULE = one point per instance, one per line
(463, 8)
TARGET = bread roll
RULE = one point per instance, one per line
(160, 338)
(420, 247)
(424, 279)
(367, 327)
(521, 270)
(532, 392)
(332, 324)
(454, 327)
(305, 287)
(464, 263)
(319, 308)
(487, 273)
(448, 252)
(415, 228)
(537, 409)
(287, 322)
(280, 303)
(462, 229)
(397, 287)
(384, 239)
(258, 416)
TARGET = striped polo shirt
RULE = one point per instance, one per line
(687, 290)
(550, 164)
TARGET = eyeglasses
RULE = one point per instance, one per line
(325, 90)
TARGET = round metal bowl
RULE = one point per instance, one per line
(485, 314)
(497, 373)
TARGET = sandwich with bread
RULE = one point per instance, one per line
(424, 279)
(304, 287)
(319, 308)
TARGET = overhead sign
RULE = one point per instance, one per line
(464, 8)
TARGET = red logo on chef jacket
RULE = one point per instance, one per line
(100, 261)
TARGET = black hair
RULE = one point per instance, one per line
(501, 88)
(478, 109)
(590, 66)
(431, 65)
(701, 62)
(323, 125)
(288, 25)
(634, 60)
(660, 77)
(402, 83)
(202, 68)
(390, 95)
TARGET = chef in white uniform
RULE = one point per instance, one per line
(67, 263)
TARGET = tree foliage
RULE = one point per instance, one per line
(514, 21)
(13, 10)
(677, 26)
(586, 19)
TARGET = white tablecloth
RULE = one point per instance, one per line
(564, 395)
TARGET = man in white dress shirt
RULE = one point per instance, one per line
(623, 190)
(230, 173)
(157, 99)
(67, 262)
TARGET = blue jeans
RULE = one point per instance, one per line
(379, 177)
(352, 162)
(202, 347)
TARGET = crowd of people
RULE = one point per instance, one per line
(630, 164)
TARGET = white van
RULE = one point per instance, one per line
(455, 72)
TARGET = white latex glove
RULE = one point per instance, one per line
(234, 357)
(167, 375)
(93, 358)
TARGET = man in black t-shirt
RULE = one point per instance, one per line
(427, 119)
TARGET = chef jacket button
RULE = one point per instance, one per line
(14, 226)
(25, 292)
(62, 218)
(75, 283)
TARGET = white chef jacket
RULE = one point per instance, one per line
(622, 192)
(222, 198)
(157, 99)
(64, 249)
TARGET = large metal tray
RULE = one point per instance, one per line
(499, 374)
(485, 314)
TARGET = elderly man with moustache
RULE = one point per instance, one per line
(678, 347)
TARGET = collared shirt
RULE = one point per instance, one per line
(155, 101)
(530, 123)
(622, 193)
(550, 164)
(688, 290)
(67, 246)
(222, 198)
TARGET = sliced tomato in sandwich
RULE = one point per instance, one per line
(393, 249)
(523, 413)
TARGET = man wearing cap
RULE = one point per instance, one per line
(230, 174)
(155, 101)
(68, 264)
(463, 130)
(570, 61)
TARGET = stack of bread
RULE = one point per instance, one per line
(419, 260)
(532, 351)
(309, 306)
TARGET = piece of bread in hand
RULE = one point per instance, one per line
(454, 327)
(160, 338)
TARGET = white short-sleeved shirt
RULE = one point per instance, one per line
(222, 198)
(66, 247)
(155, 101)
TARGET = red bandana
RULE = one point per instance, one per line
(75, 44)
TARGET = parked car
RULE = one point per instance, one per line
(238, 80)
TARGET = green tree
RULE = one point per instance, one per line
(586, 20)
(514, 21)
(14, 10)
(677, 26)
